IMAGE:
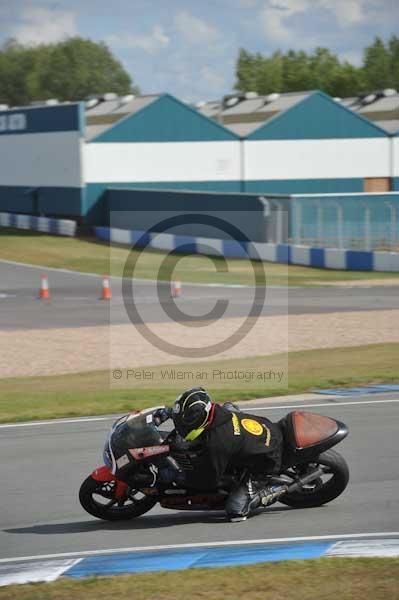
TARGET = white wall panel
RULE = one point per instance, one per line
(334, 259)
(163, 241)
(43, 224)
(23, 221)
(317, 159)
(263, 251)
(41, 159)
(5, 219)
(395, 156)
(300, 255)
(209, 246)
(120, 236)
(167, 161)
(386, 261)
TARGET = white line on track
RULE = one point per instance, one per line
(141, 279)
(245, 409)
(329, 404)
(45, 268)
(313, 538)
(57, 422)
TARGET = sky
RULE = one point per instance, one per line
(189, 48)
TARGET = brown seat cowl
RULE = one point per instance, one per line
(307, 429)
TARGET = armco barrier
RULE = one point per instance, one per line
(43, 224)
(323, 258)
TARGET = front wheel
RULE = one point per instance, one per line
(98, 499)
(325, 488)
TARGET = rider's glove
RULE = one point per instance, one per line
(161, 415)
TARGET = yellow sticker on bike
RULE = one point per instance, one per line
(236, 424)
(252, 426)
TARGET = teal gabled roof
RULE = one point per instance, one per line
(316, 117)
(165, 120)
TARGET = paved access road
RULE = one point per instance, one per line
(42, 467)
(75, 299)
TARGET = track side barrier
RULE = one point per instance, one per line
(322, 258)
(65, 227)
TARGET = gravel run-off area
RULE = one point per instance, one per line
(56, 351)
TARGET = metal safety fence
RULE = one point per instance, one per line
(352, 221)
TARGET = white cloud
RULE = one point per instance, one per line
(248, 3)
(151, 43)
(42, 25)
(195, 30)
(214, 80)
(275, 16)
(348, 12)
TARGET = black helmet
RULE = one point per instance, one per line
(191, 413)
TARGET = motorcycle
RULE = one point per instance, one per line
(311, 474)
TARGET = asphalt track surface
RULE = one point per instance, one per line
(75, 300)
(42, 466)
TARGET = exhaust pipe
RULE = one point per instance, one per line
(297, 485)
(276, 491)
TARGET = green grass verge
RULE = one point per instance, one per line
(89, 393)
(89, 255)
(321, 579)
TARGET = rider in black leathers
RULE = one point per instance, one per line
(224, 438)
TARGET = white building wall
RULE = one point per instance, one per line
(395, 156)
(317, 159)
(163, 161)
(41, 159)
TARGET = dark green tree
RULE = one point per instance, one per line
(15, 67)
(323, 67)
(70, 70)
(377, 65)
(394, 59)
(297, 70)
(247, 67)
(269, 74)
(346, 81)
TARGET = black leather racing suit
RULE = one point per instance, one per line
(231, 440)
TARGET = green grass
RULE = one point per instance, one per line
(321, 579)
(80, 394)
(89, 255)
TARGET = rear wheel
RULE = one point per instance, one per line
(98, 499)
(325, 488)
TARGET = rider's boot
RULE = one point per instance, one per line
(242, 501)
(247, 498)
(270, 494)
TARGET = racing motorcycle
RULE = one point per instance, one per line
(312, 473)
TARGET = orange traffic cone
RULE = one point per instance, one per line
(175, 289)
(44, 292)
(106, 291)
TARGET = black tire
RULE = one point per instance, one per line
(324, 492)
(135, 508)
